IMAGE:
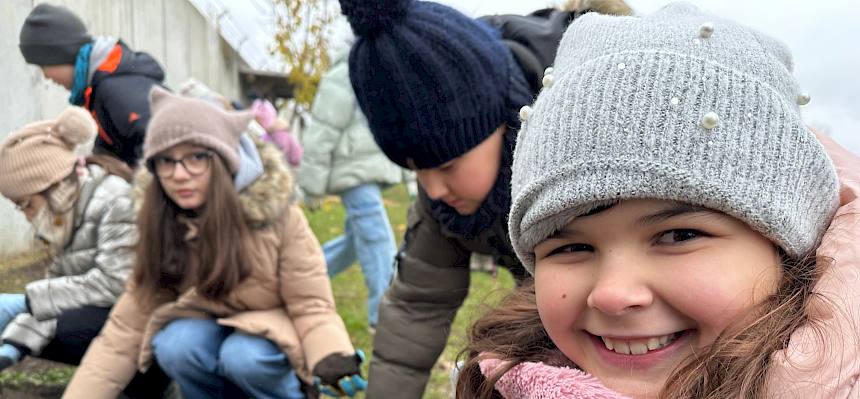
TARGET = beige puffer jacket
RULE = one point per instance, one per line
(286, 299)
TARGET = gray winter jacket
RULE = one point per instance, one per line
(339, 151)
(92, 268)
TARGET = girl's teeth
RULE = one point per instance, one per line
(638, 347)
(654, 343)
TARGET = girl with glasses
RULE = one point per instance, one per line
(230, 294)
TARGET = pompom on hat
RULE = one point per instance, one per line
(371, 17)
(42, 154)
(679, 105)
(177, 119)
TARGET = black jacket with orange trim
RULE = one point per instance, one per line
(118, 97)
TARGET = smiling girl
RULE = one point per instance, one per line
(668, 201)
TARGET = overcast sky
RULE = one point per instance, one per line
(824, 37)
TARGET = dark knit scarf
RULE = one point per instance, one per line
(495, 208)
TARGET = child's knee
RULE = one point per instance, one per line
(186, 345)
(246, 357)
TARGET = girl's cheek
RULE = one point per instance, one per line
(557, 296)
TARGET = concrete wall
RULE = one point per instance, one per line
(172, 31)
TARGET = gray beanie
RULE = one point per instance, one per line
(52, 35)
(678, 105)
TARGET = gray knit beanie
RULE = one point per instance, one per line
(52, 35)
(679, 105)
(177, 119)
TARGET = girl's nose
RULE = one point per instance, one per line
(619, 290)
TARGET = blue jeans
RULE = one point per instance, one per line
(367, 238)
(208, 360)
(11, 305)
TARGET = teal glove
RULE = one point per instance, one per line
(349, 384)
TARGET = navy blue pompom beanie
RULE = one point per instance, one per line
(432, 82)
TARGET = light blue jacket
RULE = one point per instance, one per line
(339, 151)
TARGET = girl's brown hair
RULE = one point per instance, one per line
(734, 366)
(215, 262)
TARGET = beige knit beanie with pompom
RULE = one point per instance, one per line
(42, 154)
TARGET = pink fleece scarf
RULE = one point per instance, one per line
(531, 380)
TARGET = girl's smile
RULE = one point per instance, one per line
(642, 351)
(629, 291)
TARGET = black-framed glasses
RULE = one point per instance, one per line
(195, 164)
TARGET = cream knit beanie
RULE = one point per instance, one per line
(43, 153)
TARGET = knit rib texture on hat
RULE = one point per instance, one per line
(177, 119)
(432, 82)
(679, 105)
(52, 35)
(42, 154)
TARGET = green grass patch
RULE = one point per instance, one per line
(349, 290)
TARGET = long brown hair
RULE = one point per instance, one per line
(214, 263)
(735, 365)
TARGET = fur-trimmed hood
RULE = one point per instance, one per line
(263, 202)
(608, 7)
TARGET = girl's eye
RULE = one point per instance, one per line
(570, 248)
(200, 156)
(677, 236)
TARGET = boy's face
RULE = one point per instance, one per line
(63, 75)
(628, 292)
(464, 182)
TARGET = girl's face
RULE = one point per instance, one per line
(185, 171)
(630, 291)
(463, 183)
(31, 206)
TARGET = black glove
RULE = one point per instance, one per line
(336, 366)
(339, 374)
(6, 362)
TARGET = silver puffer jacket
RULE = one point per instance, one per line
(91, 269)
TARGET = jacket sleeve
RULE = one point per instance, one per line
(822, 360)
(111, 360)
(306, 289)
(25, 330)
(116, 236)
(416, 313)
(331, 114)
(123, 104)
